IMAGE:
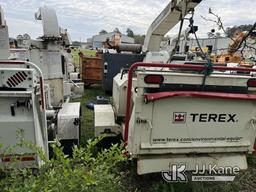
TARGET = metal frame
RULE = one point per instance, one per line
(149, 97)
(10, 62)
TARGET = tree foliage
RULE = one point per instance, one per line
(116, 30)
(102, 32)
(87, 170)
(230, 31)
(139, 39)
(129, 32)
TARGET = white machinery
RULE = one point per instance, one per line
(4, 37)
(22, 108)
(32, 97)
(47, 53)
(176, 113)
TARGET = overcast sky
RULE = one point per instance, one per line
(84, 18)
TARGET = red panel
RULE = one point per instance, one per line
(12, 62)
(254, 152)
(18, 158)
(162, 95)
(251, 83)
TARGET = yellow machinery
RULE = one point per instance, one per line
(232, 56)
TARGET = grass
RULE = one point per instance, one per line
(246, 181)
(87, 124)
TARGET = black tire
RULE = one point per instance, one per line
(68, 144)
(107, 142)
(87, 85)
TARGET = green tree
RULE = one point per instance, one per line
(230, 31)
(76, 43)
(102, 32)
(129, 32)
(116, 30)
(139, 39)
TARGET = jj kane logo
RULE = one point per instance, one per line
(177, 173)
(179, 117)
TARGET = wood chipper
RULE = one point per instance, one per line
(171, 113)
(28, 106)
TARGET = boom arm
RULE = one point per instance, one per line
(2, 20)
(49, 21)
(4, 37)
(51, 26)
(168, 18)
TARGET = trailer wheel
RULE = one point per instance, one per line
(107, 142)
(87, 85)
